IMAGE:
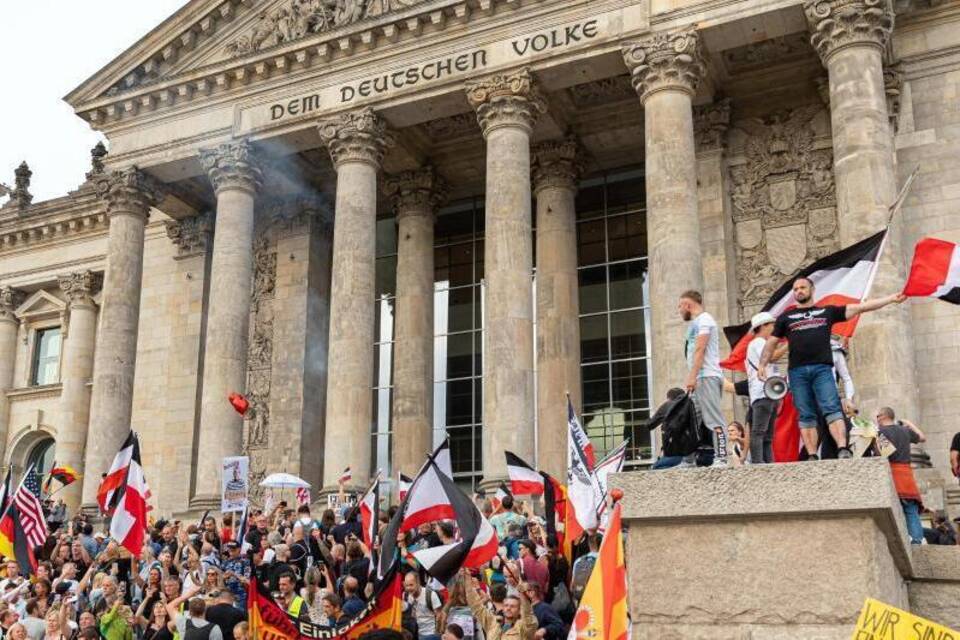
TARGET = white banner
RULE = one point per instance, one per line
(236, 471)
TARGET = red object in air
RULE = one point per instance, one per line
(239, 403)
(616, 494)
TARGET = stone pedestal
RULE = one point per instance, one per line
(556, 170)
(850, 38)
(416, 195)
(356, 142)
(773, 551)
(76, 370)
(128, 196)
(10, 299)
(666, 71)
(236, 178)
(507, 107)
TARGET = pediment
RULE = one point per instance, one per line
(211, 34)
(40, 303)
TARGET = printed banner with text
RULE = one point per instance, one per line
(879, 621)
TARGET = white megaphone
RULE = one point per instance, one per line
(775, 387)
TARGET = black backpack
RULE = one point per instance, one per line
(681, 426)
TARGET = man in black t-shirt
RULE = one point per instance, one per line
(955, 455)
(812, 379)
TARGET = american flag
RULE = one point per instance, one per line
(28, 504)
(303, 495)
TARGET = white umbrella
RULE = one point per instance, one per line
(284, 481)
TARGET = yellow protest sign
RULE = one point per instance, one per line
(880, 621)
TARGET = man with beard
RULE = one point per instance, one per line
(810, 369)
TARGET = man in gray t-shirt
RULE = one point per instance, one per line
(704, 377)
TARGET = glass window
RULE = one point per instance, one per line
(593, 289)
(41, 456)
(46, 358)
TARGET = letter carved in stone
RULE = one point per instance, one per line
(356, 136)
(665, 61)
(839, 23)
(512, 100)
(233, 165)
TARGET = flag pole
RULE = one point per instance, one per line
(894, 209)
(19, 486)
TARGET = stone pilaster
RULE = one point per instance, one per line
(357, 142)
(236, 176)
(127, 196)
(507, 107)
(416, 196)
(556, 171)
(850, 36)
(76, 370)
(10, 299)
(666, 70)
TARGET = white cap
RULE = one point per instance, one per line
(762, 318)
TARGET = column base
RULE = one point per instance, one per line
(206, 502)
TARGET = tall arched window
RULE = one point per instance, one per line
(42, 456)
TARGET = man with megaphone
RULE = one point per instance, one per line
(810, 370)
(763, 401)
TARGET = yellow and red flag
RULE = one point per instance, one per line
(603, 613)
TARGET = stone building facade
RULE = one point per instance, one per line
(389, 221)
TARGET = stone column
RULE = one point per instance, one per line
(233, 169)
(10, 299)
(415, 195)
(507, 107)
(666, 70)
(357, 142)
(850, 36)
(76, 370)
(556, 170)
(128, 196)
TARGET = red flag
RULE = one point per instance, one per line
(129, 523)
(935, 271)
(786, 432)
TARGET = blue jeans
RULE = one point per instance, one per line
(814, 386)
(911, 511)
(665, 462)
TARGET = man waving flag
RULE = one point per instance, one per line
(603, 614)
(584, 496)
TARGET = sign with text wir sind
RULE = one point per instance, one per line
(469, 62)
(879, 621)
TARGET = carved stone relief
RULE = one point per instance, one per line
(296, 19)
(784, 201)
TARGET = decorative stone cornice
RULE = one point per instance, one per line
(356, 136)
(79, 287)
(10, 299)
(836, 24)
(417, 192)
(128, 191)
(710, 124)
(557, 163)
(233, 166)
(665, 61)
(506, 100)
(191, 235)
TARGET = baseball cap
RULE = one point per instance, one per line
(762, 318)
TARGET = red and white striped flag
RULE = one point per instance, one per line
(303, 496)
(27, 499)
(107, 496)
(524, 479)
(129, 523)
(935, 271)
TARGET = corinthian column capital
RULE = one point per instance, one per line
(417, 192)
(79, 287)
(671, 60)
(233, 165)
(191, 235)
(506, 100)
(10, 299)
(840, 23)
(128, 191)
(356, 136)
(557, 163)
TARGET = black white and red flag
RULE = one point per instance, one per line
(935, 271)
(841, 278)
(128, 526)
(524, 479)
(403, 485)
(370, 513)
(421, 505)
(107, 496)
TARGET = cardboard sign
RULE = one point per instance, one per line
(880, 621)
(236, 473)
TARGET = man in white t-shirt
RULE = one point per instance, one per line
(704, 377)
(426, 606)
(763, 410)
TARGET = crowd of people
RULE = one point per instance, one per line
(192, 579)
(823, 392)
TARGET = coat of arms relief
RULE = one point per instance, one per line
(783, 196)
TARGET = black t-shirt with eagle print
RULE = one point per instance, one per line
(808, 332)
